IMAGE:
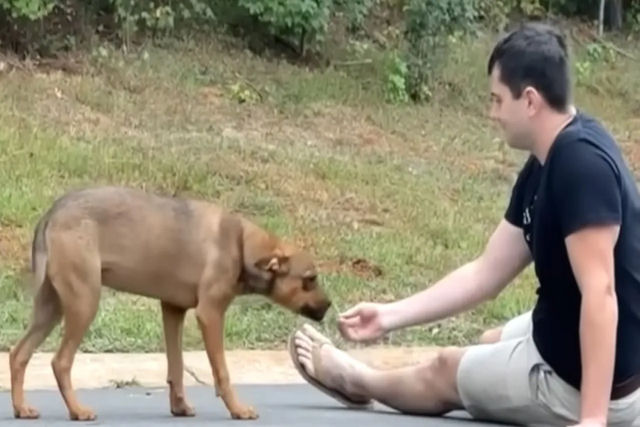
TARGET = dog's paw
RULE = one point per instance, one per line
(82, 414)
(244, 412)
(182, 409)
(26, 412)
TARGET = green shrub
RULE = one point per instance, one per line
(396, 84)
(429, 25)
(135, 16)
(355, 11)
(31, 9)
(300, 22)
(44, 26)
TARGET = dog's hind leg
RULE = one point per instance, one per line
(46, 315)
(173, 321)
(76, 276)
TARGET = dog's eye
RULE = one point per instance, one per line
(309, 283)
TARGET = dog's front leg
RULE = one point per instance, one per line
(210, 315)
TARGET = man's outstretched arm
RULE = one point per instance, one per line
(505, 256)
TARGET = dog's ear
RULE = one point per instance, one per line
(275, 263)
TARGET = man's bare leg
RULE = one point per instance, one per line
(428, 388)
(491, 336)
(517, 327)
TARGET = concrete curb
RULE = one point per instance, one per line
(149, 369)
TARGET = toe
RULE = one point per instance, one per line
(307, 364)
(303, 341)
(315, 335)
(304, 352)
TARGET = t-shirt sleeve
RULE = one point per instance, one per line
(586, 188)
(513, 214)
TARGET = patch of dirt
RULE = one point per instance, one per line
(357, 266)
(365, 268)
(212, 95)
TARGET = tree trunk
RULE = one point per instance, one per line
(601, 17)
(615, 15)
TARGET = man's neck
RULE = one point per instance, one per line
(548, 130)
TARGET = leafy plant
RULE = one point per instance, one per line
(429, 24)
(298, 21)
(134, 16)
(633, 16)
(355, 11)
(31, 9)
(396, 85)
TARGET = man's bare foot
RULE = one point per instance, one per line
(330, 366)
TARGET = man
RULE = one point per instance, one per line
(575, 212)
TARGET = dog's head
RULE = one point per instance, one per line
(287, 275)
(292, 282)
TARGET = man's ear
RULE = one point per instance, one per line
(533, 98)
(278, 264)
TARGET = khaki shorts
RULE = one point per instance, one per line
(509, 382)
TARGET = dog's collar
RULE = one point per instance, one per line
(248, 281)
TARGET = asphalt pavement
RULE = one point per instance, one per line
(277, 405)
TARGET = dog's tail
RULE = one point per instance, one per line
(39, 253)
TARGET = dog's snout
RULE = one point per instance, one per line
(315, 313)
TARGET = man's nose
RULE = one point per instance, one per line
(493, 114)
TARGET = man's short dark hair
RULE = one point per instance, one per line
(534, 54)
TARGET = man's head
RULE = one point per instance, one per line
(529, 74)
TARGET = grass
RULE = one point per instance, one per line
(388, 197)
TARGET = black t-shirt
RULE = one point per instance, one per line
(584, 181)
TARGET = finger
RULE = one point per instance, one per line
(353, 311)
(352, 334)
(350, 322)
(344, 329)
(348, 334)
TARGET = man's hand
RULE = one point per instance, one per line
(590, 423)
(362, 322)
(590, 252)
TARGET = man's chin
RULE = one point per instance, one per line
(517, 144)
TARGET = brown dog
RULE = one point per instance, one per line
(185, 253)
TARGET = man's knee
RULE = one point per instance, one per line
(491, 336)
(441, 372)
(443, 366)
(448, 359)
